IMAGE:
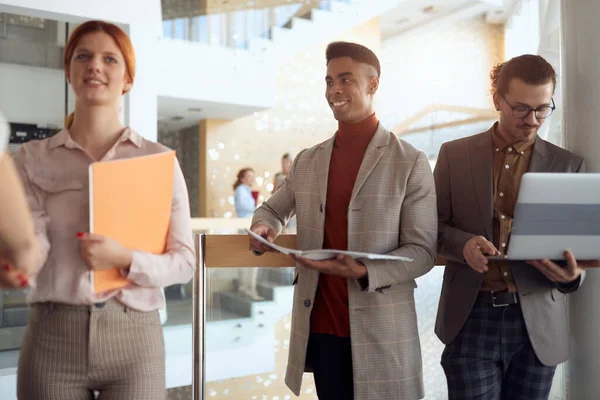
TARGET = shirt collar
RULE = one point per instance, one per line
(501, 146)
(63, 138)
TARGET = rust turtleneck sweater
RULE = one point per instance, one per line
(330, 314)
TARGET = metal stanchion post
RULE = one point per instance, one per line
(199, 320)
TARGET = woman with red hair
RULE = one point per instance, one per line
(78, 341)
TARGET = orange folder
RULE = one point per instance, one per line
(130, 201)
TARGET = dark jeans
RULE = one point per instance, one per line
(330, 358)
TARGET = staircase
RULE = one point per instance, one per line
(318, 25)
(241, 329)
(229, 305)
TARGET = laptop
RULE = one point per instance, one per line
(556, 212)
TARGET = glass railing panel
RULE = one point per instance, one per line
(247, 333)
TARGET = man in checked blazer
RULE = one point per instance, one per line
(353, 322)
(505, 324)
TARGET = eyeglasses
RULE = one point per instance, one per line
(521, 112)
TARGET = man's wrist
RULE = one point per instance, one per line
(362, 271)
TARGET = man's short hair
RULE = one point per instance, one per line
(531, 69)
(355, 51)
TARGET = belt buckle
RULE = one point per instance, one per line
(502, 304)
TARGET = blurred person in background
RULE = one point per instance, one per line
(243, 200)
(245, 204)
(286, 165)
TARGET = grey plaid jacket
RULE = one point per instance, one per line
(392, 210)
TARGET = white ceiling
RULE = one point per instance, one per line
(175, 113)
(412, 15)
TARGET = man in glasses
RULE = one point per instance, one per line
(504, 323)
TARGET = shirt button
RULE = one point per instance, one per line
(510, 149)
(507, 166)
(501, 194)
(503, 216)
(306, 303)
(503, 244)
(506, 274)
(497, 149)
(522, 152)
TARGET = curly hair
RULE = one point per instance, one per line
(531, 69)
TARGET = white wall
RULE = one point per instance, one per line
(216, 74)
(32, 95)
(143, 19)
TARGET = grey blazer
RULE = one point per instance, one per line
(392, 210)
(463, 179)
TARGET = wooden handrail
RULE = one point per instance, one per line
(231, 251)
(205, 224)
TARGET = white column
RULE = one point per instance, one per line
(581, 65)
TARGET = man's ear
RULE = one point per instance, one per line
(496, 98)
(374, 84)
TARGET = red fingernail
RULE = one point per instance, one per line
(24, 283)
(6, 267)
(79, 234)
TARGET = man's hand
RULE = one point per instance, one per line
(266, 232)
(100, 252)
(342, 265)
(474, 250)
(558, 274)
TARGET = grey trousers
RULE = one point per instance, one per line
(69, 352)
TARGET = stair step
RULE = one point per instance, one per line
(307, 15)
(259, 44)
(214, 314)
(267, 289)
(279, 33)
(281, 276)
(236, 303)
(300, 23)
(339, 7)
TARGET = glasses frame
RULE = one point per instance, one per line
(535, 110)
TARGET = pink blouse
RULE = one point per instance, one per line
(55, 176)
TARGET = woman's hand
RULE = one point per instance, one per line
(11, 277)
(17, 266)
(101, 252)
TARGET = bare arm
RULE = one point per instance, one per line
(17, 238)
